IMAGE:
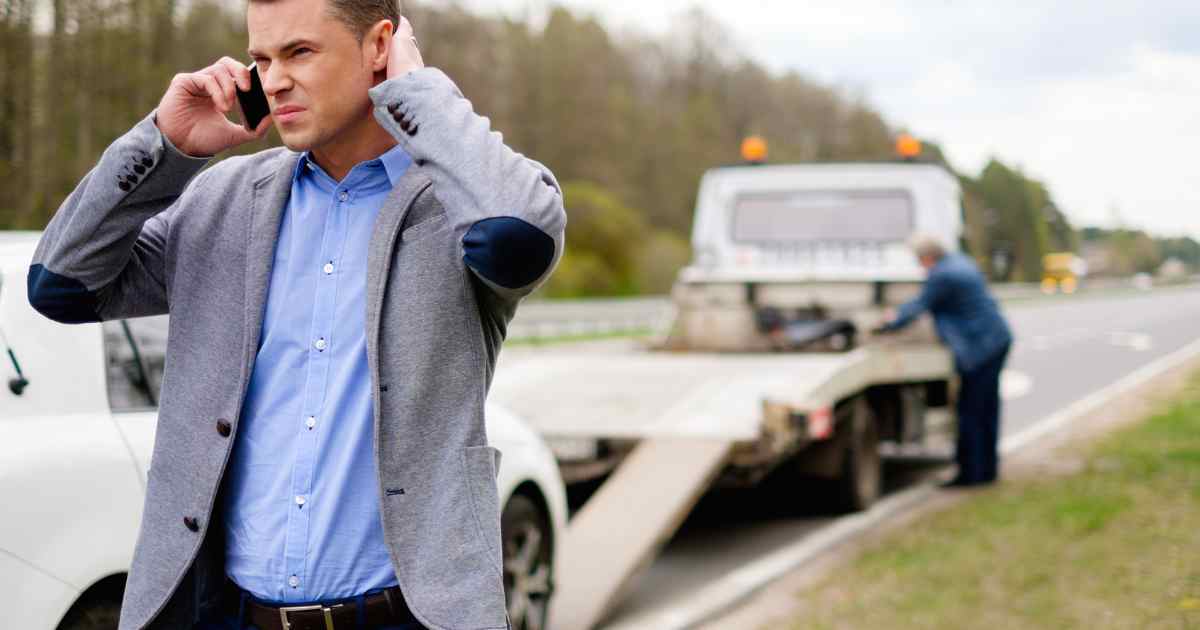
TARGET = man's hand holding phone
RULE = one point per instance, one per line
(192, 112)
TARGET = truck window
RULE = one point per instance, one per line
(822, 216)
(135, 353)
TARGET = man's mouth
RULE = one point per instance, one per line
(287, 113)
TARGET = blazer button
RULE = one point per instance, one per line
(191, 523)
(392, 107)
(139, 169)
(224, 428)
(147, 162)
(413, 130)
(124, 186)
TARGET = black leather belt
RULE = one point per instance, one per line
(383, 608)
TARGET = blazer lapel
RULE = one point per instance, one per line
(270, 197)
(383, 241)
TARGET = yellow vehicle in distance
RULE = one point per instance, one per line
(1061, 272)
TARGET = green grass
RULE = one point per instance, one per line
(1116, 545)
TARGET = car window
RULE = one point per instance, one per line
(135, 352)
(808, 216)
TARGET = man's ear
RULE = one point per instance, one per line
(377, 43)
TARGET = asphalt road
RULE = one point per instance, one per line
(1066, 348)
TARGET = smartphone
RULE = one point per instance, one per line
(254, 103)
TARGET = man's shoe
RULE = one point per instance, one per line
(959, 482)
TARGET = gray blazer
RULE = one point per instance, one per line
(468, 231)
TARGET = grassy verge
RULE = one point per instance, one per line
(1115, 545)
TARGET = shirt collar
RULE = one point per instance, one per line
(395, 162)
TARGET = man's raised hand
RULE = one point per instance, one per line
(403, 56)
(192, 112)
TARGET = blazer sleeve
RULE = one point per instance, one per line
(104, 253)
(933, 293)
(507, 209)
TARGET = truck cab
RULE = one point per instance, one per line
(812, 242)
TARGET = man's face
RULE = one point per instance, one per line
(927, 262)
(313, 69)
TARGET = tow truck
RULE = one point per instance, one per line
(770, 370)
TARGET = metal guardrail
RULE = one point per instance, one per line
(596, 317)
(547, 319)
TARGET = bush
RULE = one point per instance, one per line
(605, 239)
(659, 260)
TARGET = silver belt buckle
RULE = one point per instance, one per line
(328, 610)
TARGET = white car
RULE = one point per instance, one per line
(77, 423)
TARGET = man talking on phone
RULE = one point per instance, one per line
(337, 307)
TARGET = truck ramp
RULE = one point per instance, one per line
(622, 528)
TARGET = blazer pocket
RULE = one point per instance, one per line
(482, 465)
(425, 227)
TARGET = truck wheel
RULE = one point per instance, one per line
(528, 563)
(862, 467)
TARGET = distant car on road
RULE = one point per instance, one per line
(1143, 281)
(78, 411)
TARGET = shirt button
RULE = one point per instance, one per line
(311, 422)
(320, 344)
(300, 499)
(343, 195)
(293, 581)
(328, 268)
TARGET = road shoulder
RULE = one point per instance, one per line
(1057, 452)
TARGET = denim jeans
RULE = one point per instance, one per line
(979, 422)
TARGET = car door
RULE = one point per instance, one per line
(135, 356)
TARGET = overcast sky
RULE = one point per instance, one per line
(1096, 98)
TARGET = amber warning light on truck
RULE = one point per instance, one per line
(908, 147)
(754, 150)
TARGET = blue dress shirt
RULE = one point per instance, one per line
(301, 501)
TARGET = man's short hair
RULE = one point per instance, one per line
(928, 246)
(360, 15)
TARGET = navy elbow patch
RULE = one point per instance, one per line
(60, 298)
(508, 251)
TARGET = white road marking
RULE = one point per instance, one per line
(1014, 384)
(1139, 342)
(720, 595)
(1041, 343)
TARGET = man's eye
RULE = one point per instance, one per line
(301, 51)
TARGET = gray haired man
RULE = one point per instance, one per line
(970, 322)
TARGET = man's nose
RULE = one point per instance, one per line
(276, 80)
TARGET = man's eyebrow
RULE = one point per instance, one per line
(295, 43)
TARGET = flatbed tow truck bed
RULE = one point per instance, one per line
(621, 391)
(693, 415)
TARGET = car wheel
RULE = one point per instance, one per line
(98, 614)
(528, 563)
